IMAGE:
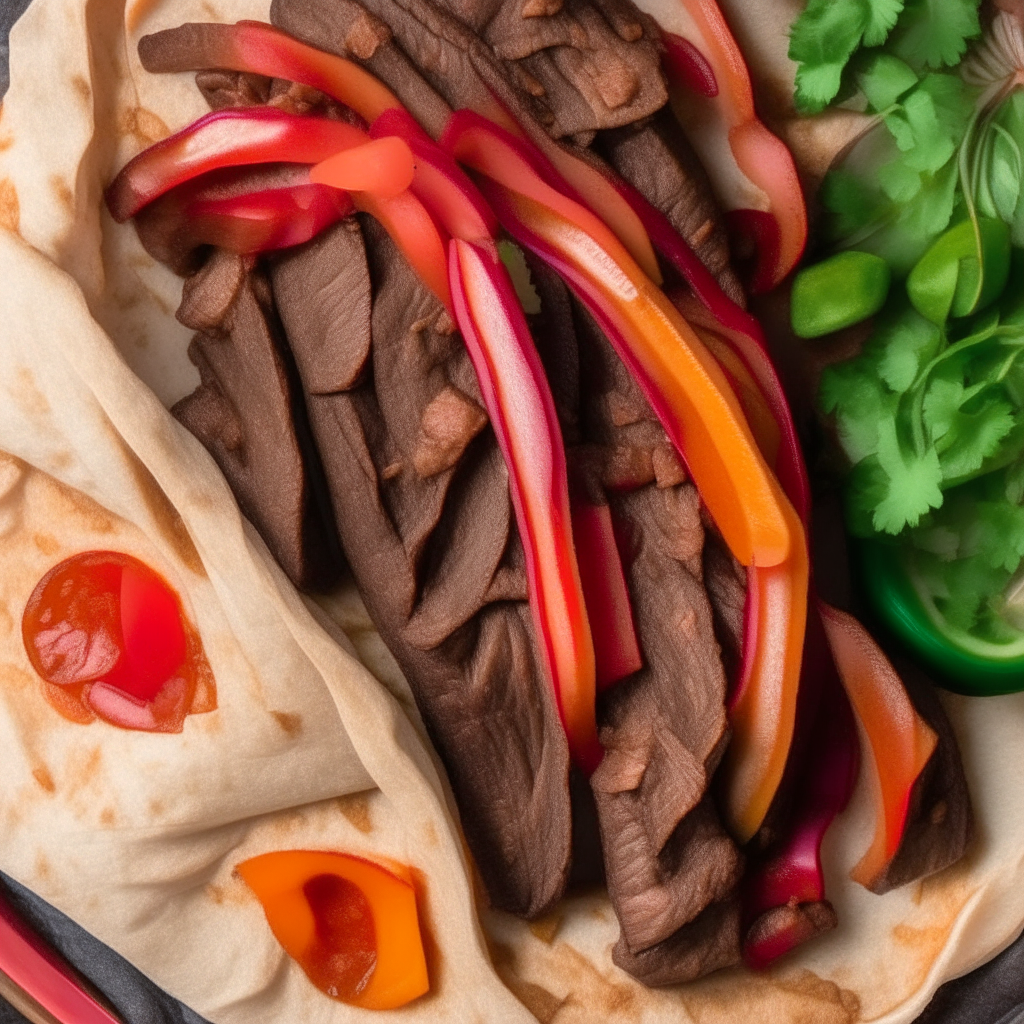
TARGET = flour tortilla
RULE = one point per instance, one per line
(134, 835)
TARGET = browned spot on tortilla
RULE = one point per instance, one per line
(27, 394)
(42, 867)
(234, 893)
(546, 928)
(107, 817)
(290, 723)
(10, 208)
(156, 808)
(603, 995)
(144, 126)
(356, 807)
(46, 542)
(736, 995)
(543, 1004)
(430, 834)
(44, 778)
(165, 514)
(62, 190)
(6, 142)
(82, 87)
(85, 771)
(91, 513)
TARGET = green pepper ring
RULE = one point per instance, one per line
(981, 672)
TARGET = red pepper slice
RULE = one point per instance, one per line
(752, 169)
(261, 49)
(256, 222)
(823, 778)
(439, 182)
(681, 379)
(226, 138)
(616, 648)
(522, 412)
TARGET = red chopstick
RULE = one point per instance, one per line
(45, 976)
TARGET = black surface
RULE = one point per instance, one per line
(993, 994)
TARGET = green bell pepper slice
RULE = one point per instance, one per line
(964, 271)
(961, 663)
(838, 292)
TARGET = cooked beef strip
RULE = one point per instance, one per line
(421, 497)
(940, 820)
(657, 159)
(667, 856)
(249, 414)
(589, 64)
(708, 943)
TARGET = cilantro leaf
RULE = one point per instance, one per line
(885, 79)
(913, 485)
(822, 41)
(884, 14)
(859, 400)
(902, 343)
(933, 33)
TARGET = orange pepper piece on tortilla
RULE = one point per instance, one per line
(350, 924)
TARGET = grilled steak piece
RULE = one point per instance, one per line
(420, 493)
(250, 416)
(667, 855)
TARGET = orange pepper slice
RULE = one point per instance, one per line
(899, 742)
(763, 711)
(682, 380)
(382, 166)
(350, 924)
(414, 232)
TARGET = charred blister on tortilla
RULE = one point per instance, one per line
(647, 432)
(110, 640)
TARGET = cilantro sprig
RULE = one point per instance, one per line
(921, 33)
(925, 409)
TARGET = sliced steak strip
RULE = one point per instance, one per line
(664, 729)
(249, 415)
(591, 65)
(709, 943)
(657, 159)
(592, 80)
(433, 548)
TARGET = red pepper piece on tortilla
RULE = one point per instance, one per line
(226, 138)
(616, 649)
(351, 925)
(522, 412)
(108, 637)
(753, 171)
(900, 742)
